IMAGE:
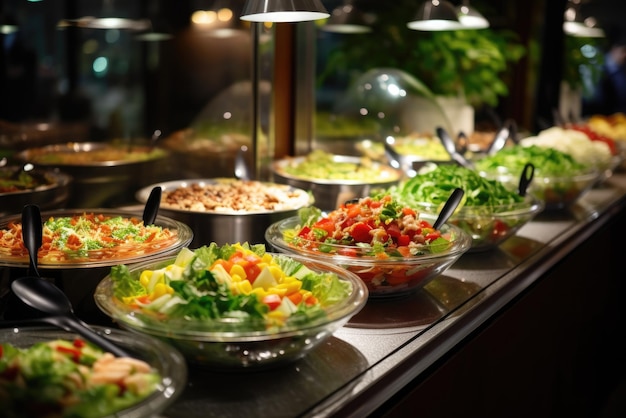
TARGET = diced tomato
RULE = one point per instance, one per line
(73, 242)
(404, 240)
(408, 211)
(431, 236)
(350, 252)
(354, 211)
(224, 263)
(304, 231)
(499, 229)
(73, 352)
(78, 343)
(272, 300)
(393, 230)
(295, 297)
(326, 224)
(252, 271)
(361, 232)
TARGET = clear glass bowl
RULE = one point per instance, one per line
(217, 344)
(94, 258)
(391, 276)
(168, 361)
(489, 226)
(557, 192)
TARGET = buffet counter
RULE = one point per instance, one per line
(527, 328)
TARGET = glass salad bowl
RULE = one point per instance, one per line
(230, 324)
(167, 366)
(489, 212)
(385, 274)
(489, 226)
(559, 181)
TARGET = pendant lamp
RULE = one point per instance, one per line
(471, 18)
(348, 18)
(436, 15)
(575, 23)
(283, 10)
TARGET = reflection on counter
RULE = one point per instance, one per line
(326, 370)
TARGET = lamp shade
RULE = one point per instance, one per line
(283, 10)
(471, 18)
(578, 25)
(436, 15)
(348, 19)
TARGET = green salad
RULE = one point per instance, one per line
(548, 162)
(231, 287)
(435, 186)
(70, 379)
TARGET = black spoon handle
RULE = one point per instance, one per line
(152, 206)
(32, 230)
(71, 323)
(526, 178)
(449, 208)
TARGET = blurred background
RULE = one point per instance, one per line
(192, 68)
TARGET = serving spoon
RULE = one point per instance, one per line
(450, 146)
(44, 296)
(527, 176)
(449, 207)
(152, 206)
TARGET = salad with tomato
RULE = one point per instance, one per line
(63, 378)
(385, 243)
(238, 287)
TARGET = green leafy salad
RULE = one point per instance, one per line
(548, 162)
(70, 379)
(231, 287)
(434, 187)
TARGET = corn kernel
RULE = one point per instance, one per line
(236, 269)
(244, 287)
(144, 278)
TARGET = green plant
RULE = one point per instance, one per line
(466, 63)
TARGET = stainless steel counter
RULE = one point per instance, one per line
(393, 341)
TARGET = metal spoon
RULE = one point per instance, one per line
(242, 170)
(48, 298)
(527, 176)
(396, 160)
(152, 206)
(450, 146)
(499, 141)
(449, 207)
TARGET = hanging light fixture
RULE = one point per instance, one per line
(471, 18)
(283, 10)
(436, 15)
(348, 18)
(575, 23)
(107, 20)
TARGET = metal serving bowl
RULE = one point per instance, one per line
(330, 191)
(50, 191)
(226, 226)
(104, 174)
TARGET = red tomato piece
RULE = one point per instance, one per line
(361, 232)
(272, 300)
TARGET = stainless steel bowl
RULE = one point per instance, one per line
(329, 193)
(51, 192)
(100, 182)
(223, 226)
